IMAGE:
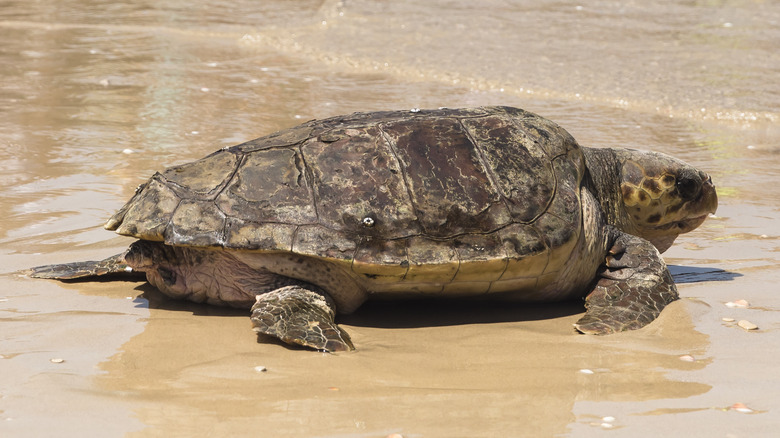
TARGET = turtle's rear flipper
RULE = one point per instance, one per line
(297, 315)
(631, 291)
(70, 271)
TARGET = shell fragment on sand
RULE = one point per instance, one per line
(738, 303)
(741, 407)
(747, 325)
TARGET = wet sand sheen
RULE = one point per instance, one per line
(84, 83)
(202, 382)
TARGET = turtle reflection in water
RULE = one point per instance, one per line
(491, 202)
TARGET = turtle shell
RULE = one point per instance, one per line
(448, 197)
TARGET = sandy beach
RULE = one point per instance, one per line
(97, 96)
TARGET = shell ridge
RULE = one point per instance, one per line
(224, 232)
(521, 129)
(554, 191)
(506, 267)
(239, 163)
(513, 120)
(270, 141)
(308, 178)
(294, 238)
(118, 218)
(489, 171)
(168, 233)
(542, 238)
(460, 261)
(402, 169)
(354, 256)
(546, 209)
(408, 262)
(548, 253)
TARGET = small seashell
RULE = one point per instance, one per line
(415, 110)
(737, 303)
(261, 369)
(740, 407)
(728, 319)
(747, 325)
(687, 358)
(586, 371)
(608, 419)
(128, 151)
(57, 360)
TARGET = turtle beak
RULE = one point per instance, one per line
(708, 196)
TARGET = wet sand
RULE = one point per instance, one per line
(95, 97)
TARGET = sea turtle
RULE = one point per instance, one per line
(490, 202)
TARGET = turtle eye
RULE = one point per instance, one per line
(687, 187)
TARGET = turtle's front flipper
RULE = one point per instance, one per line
(298, 315)
(631, 291)
(69, 271)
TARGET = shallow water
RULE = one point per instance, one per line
(95, 96)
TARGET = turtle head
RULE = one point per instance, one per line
(662, 196)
